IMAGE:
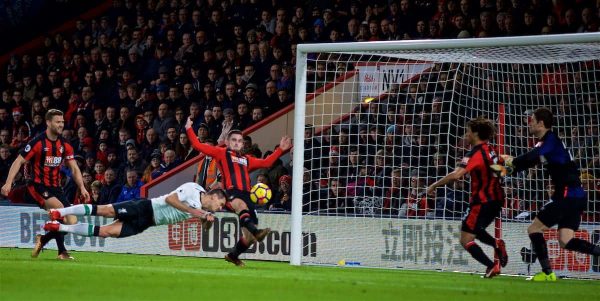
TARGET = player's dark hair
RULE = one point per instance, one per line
(218, 192)
(483, 127)
(53, 112)
(544, 115)
(233, 132)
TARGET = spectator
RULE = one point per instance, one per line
(394, 196)
(172, 138)
(5, 137)
(184, 151)
(6, 159)
(169, 162)
(20, 138)
(99, 170)
(251, 148)
(227, 125)
(333, 199)
(592, 187)
(243, 118)
(153, 168)
(217, 116)
(141, 127)
(455, 201)
(180, 119)
(131, 189)
(417, 204)
(95, 187)
(110, 187)
(163, 121)
(282, 198)
(208, 174)
(257, 115)
(133, 162)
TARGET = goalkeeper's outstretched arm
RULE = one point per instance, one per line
(522, 162)
(457, 174)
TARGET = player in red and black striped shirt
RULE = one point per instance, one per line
(46, 153)
(235, 169)
(487, 194)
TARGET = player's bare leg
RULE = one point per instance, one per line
(250, 234)
(498, 245)
(538, 242)
(568, 241)
(241, 246)
(242, 210)
(467, 240)
(42, 240)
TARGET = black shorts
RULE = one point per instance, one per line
(565, 212)
(480, 216)
(136, 215)
(38, 194)
(244, 196)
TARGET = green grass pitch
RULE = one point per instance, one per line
(107, 276)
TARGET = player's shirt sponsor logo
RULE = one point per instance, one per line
(239, 160)
(52, 161)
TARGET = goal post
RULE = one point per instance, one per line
(396, 124)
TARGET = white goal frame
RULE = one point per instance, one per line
(380, 47)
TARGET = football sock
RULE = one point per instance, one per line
(475, 250)
(240, 247)
(541, 250)
(486, 238)
(83, 229)
(60, 242)
(47, 237)
(582, 246)
(246, 222)
(79, 210)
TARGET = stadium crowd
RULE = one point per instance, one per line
(128, 80)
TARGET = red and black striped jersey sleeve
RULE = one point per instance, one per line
(32, 147)
(69, 153)
(255, 163)
(472, 160)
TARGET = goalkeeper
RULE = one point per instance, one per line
(569, 199)
(487, 195)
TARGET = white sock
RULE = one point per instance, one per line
(83, 229)
(76, 210)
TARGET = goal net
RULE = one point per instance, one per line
(390, 120)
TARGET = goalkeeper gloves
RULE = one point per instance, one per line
(508, 160)
(506, 169)
(501, 170)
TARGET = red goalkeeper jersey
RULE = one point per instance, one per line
(235, 168)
